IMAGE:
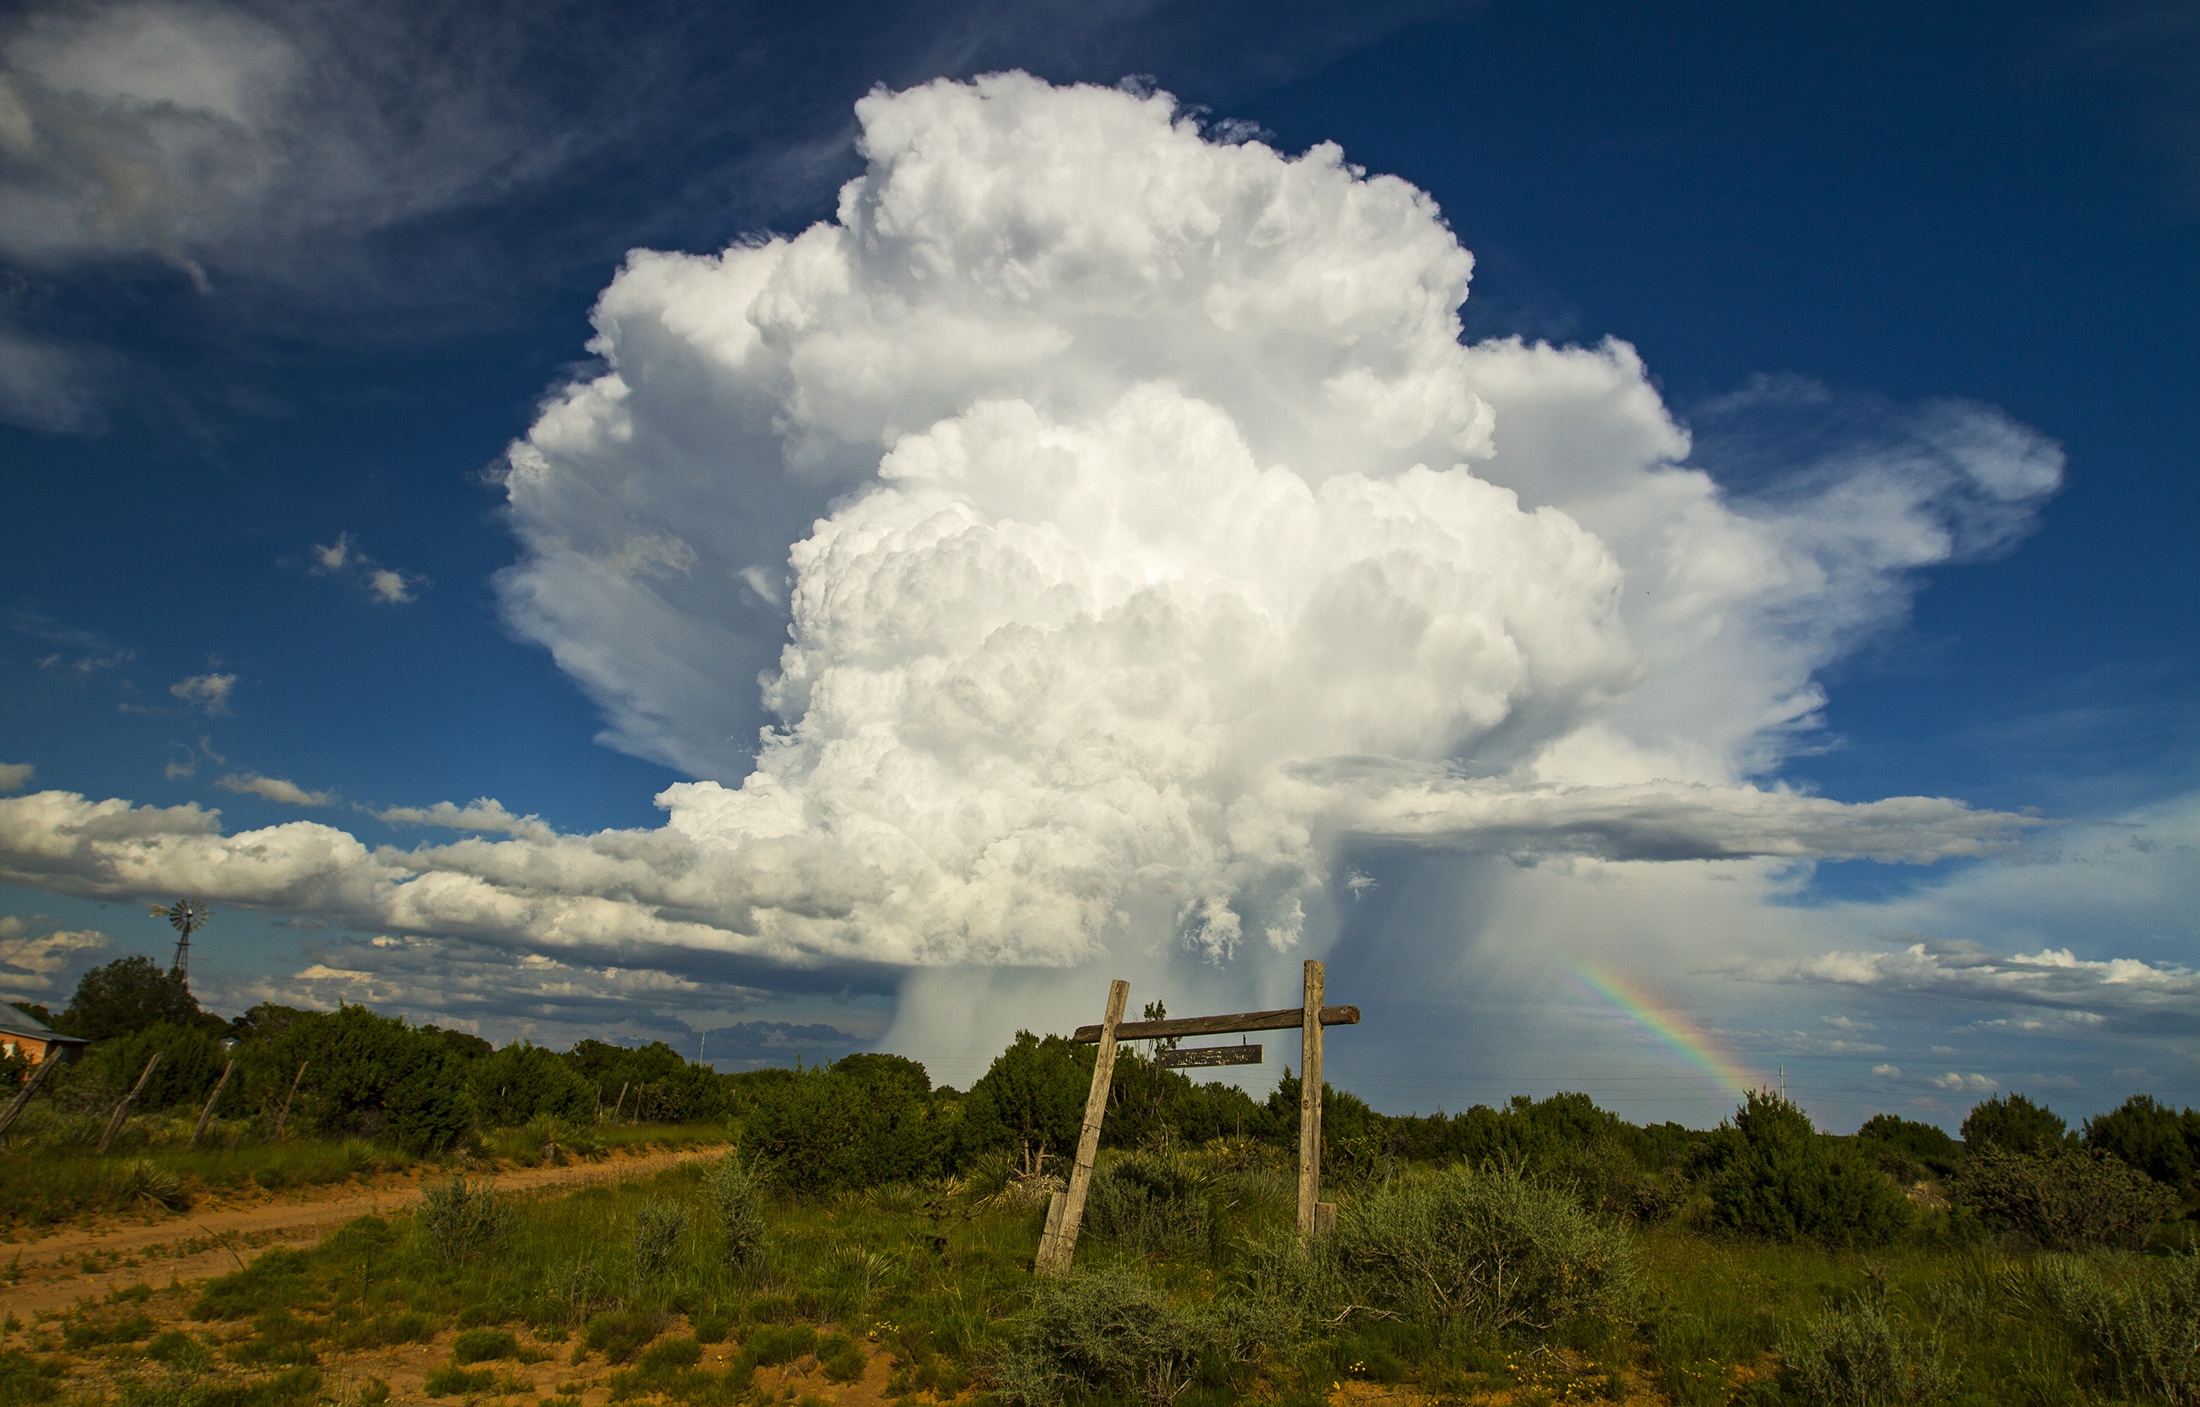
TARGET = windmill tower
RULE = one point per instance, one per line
(187, 916)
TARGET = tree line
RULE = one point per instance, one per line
(873, 1119)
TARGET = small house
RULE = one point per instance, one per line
(22, 1034)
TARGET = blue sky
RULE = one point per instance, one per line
(260, 399)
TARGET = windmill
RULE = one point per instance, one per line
(187, 916)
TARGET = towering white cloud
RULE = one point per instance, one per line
(1160, 497)
(1114, 526)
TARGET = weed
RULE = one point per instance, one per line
(1864, 1355)
(180, 1351)
(738, 1194)
(140, 1180)
(658, 1226)
(1489, 1251)
(25, 1379)
(2144, 1334)
(91, 1333)
(460, 1219)
(1107, 1330)
(1150, 1203)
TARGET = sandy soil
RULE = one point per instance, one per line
(224, 1232)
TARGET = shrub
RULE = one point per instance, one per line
(2065, 1200)
(1106, 1332)
(190, 1062)
(1771, 1174)
(1149, 1203)
(658, 1226)
(1031, 1098)
(735, 1190)
(1907, 1149)
(1862, 1355)
(2148, 1136)
(178, 1350)
(450, 1380)
(868, 1120)
(1488, 1250)
(620, 1334)
(779, 1343)
(669, 1354)
(523, 1082)
(2011, 1123)
(482, 1345)
(462, 1220)
(841, 1358)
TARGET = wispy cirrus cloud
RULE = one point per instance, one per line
(276, 789)
(483, 813)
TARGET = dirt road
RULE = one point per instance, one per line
(222, 1233)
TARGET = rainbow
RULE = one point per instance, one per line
(1689, 1040)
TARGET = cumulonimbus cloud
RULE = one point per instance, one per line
(1120, 526)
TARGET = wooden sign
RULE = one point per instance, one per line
(1288, 1018)
(1201, 1056)
(1066, 1209)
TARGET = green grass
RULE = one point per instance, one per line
(50, 1176)
(939, 1280)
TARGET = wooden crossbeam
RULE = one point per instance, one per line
(1201, 1056)
(1288, 1018)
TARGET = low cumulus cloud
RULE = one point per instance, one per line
(2130, 990)
(14, 776)
(348, 562)
(1121, 533)
(34, 954)
(209, 693)
(477, 986)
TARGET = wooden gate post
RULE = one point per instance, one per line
(122, 1110)
(284, 1117)
(1059, 1243)
(206, 1116)
(30, 1087)
(1315, 1215)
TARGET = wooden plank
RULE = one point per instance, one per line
(30, 1087)
(1283, 1019)
(207, 1115)
(1310, 1103)
(122, 1110)
(1201, 1056)
(1056, 1251)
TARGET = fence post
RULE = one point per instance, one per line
(284, 1117)
(1311, 1218)
(1059, 1244)
(206, 1116)
(30, 1087)
(122, 1110)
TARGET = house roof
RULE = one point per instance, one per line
(16, 1022)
